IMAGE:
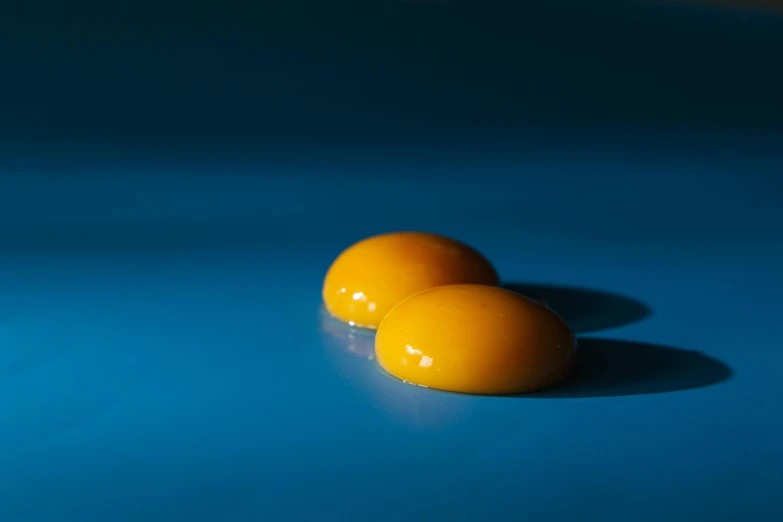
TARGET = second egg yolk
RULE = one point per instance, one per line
(373, 275)
(475, 339)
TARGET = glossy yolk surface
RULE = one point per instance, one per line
(475, 339)
(373, 275)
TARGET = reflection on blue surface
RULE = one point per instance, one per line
(351, 353)
(341, 337)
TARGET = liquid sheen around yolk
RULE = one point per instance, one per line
(373, 275)
(475, 339)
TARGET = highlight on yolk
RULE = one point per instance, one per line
(373, 275)
(475, 339)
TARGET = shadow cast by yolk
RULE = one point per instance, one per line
(610, 368)
(585, 310)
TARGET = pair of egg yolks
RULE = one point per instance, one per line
(375, 274)
(443, 322)
(475, 339)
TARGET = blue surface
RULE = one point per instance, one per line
(174, 182)
(163, 361)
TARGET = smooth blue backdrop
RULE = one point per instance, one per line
(163, 358)
(174, 182)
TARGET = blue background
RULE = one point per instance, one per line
(175, 183)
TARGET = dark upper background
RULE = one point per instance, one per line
(158, 125)
(205, 75)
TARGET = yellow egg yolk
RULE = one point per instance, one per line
(475, 339)
(373, 275)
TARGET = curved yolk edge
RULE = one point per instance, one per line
(475, 339)
(373, 275)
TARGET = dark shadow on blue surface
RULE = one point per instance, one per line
(586, 310)
(609, 368)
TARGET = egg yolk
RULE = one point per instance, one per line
(475, 339)
(373, 275)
